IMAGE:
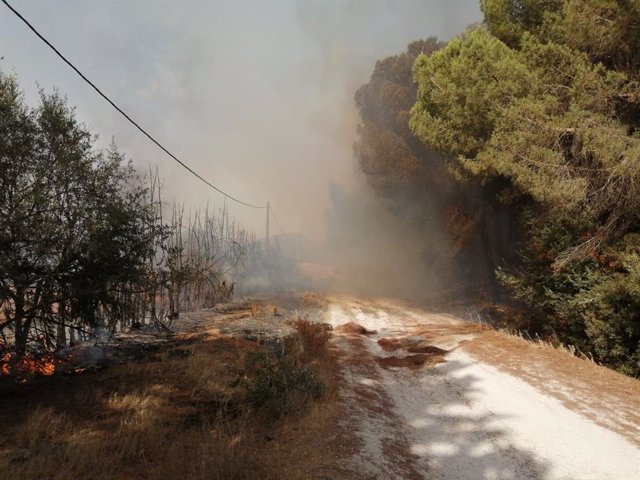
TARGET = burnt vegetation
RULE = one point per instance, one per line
(89, 249)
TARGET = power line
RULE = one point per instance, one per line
(133, 122)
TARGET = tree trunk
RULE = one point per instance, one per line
(489, 260)
(61, 337)
(21, 323)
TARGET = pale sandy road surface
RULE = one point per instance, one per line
(470, 417)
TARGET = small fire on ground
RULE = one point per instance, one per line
(27, 366)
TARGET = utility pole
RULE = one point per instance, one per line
(267, 241)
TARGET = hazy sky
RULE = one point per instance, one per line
(257, 96)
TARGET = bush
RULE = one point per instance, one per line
(314, 338)
(610, 307)
(593, 305)
(281, 385)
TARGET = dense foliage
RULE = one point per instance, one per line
(84, 243)
(70, 227)
(545, 96)
(540, 108)
(461, 228)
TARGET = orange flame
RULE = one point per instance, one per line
(29, 364)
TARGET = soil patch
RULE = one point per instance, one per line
(391, 344)
(428, 349)
(411, 361)
(352, 327)
(371, 433)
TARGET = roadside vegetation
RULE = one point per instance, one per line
(214, 408)
(88, 246)
(521, 141)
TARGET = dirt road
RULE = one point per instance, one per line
(440, 398)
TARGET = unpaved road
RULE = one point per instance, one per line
(468, 415)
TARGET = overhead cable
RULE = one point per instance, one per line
(125, 115)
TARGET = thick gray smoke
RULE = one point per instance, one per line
(257, 96)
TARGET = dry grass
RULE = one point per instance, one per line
(268, 310)
(41, 428)
(313, 299)
(540, 342)
(314, 338)
(183, 415)
(430, 331)
(308, 447)
(163, 419)
(144, 445)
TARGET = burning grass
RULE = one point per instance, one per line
(28, 366)
(206, 410)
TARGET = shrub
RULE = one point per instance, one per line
(280, 385)
(314, 338)
(610, 308)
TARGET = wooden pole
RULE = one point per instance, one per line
(267, 241)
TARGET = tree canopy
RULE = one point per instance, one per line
(410, 176)
(71, 223)
(608, 31)
(84, 244)
(537, 112)
(544, 97)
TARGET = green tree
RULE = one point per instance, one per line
(71, 223)
(462, 240)
(388, 153)
(607, 30)
(540, 108)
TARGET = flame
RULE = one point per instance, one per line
(28, 364)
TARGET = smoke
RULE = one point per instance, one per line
(377, 252)
(257, 96)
